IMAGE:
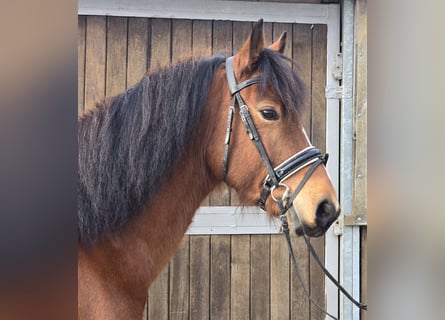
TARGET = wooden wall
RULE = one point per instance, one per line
(212, 276)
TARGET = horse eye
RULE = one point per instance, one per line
(269, 114)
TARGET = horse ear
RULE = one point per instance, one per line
(249, 53)
(280, 44)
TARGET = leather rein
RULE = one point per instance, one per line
(309, 156)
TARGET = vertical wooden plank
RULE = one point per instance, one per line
(181, 40)
(222, 37)
(302, 53)
(202, 38)
(268, 33)
(199, 277)
(158, 297)
(179, 266)
(180, 282)
(160, 43)
(138, 41)
(279, 279)
(260, 276)
(220, 278)
(222, 44)
(81, 33)
(240, 277)
(116, 74)
(298, 301)
(241, 32)
(319, 44)
(95, 49)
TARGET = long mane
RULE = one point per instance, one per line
(128, 143)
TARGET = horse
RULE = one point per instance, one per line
(150, 155)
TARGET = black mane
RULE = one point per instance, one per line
(128, 143)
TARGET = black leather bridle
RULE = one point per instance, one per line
(309, 156)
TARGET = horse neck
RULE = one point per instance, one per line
(149, 240)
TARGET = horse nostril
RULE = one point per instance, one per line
(326, 214)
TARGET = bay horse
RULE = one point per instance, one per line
(150, 155)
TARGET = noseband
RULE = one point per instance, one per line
(308, 156)
(277, 175)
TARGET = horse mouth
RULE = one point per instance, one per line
(311, 232)
(325, 216)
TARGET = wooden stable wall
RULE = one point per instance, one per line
(212, 276)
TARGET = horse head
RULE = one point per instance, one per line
(275, 157)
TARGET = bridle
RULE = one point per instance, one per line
(275, 178)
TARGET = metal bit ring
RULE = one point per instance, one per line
(285, 194)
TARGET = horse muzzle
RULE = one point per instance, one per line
(325, 214)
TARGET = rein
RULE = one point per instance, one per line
(308, 156)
